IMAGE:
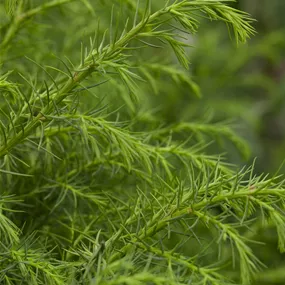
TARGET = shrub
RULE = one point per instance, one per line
(98, 184)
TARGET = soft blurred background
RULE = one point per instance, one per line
(247, 83)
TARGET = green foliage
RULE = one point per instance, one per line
(249, 87)
(98, 188)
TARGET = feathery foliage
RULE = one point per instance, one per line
(95, 188)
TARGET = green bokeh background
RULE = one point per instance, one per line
(248, 83)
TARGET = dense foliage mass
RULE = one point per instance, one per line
(105, 178)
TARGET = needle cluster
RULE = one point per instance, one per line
(95, 188)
